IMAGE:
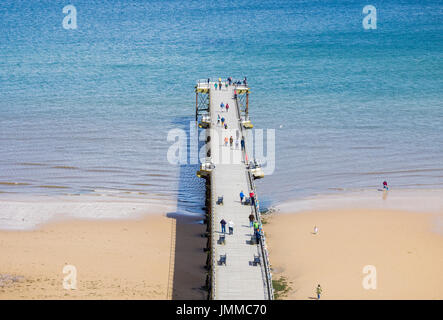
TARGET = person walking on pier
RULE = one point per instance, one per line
(231, 141)
(242, 195)
(252, 196)
(237, 134)
(257, 236)
(218, 119)
(222, 106)
(255, 225)
(251, 220)
(223, 121)
(223, 225)
(231, 226)
(242, 143)
(226, 126)
(319, 291)
(226, 141)
(227, 107)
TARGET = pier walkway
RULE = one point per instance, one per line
(239, 277)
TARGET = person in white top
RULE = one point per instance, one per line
(315, 230)
(231, 226)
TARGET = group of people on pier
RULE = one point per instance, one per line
(228, 82)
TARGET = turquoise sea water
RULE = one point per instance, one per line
(88, 110)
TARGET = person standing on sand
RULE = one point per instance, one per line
(251, 220)
(242, 195)
(231, 227)
(223, 225)
(319, 291)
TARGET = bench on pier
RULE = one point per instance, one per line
(220, 200)
(222, 239)
(222, 259)
(256, 260)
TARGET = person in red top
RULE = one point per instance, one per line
(227, 107)
(251, 195)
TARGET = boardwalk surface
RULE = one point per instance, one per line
(239, 278)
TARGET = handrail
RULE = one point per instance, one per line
(264, 251)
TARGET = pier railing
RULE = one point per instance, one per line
(256, 209)
(263, 249)
(213, 270)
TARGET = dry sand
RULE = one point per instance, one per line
(405, 248)
(119, 259)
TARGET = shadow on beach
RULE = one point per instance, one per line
(189, 273)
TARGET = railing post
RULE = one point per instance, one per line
(196, 105)
(247, 104)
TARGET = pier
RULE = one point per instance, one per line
(238, 265)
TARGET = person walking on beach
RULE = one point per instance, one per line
(231, 227)
(223, 225)
(231, 141)
(242, 195)
(319, 291)
(227, 107)
(251, 220)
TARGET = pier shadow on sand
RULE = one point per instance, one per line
(189, 274)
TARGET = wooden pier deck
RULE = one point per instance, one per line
(240, 277)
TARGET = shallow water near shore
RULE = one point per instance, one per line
(87, 111)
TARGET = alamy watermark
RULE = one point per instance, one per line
(70, 280)
(222, 147)
(370, 280)
(370, 20)
(70, 20)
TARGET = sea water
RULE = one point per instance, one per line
(88, 110)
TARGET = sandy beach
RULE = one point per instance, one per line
(405, 247)
(114, 259)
